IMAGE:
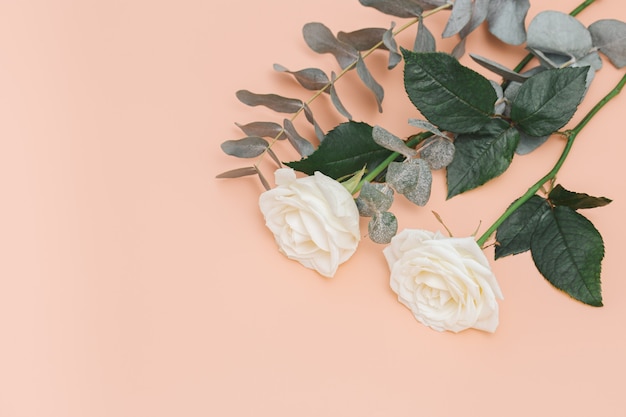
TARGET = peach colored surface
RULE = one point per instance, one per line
(133, 283)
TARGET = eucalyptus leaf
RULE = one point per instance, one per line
(504, 72)
(382, 227)
(336, 101)
(263, 129)
(548, 100)
(346, 149)
(426, 125)
(274, 157)
(438, 152)
(308, 114)
(399, 8)
(390, 141)
(310, 78)
(559, 196)
(506, 20)
(500, 104)
(481, 156)
(272, 101)
(559, 33)
(402, 176)
(370, 82)
(249, 147)
(459, 18)
(321, 40)
(420, 193)
(514, 234)
(459, 49)
(424, 41)
(264, 181)
(238, 172)
(479, 14)
(363, 39)
(374, 198)
(390, 43)
(568, 250)
(300, 144)
(609, 36)
(449, 95)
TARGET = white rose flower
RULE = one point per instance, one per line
(314, 219)
(446, 282)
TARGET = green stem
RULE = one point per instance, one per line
(574, 12)
(571, 136)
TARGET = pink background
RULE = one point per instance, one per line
(133, 283)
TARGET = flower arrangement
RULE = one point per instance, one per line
(472, 127)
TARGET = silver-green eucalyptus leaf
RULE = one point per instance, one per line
(426, 125)
(370, 82)
(363, 39)
(399, 8)
(459, 49)
(390, 43)
(609, 36)
(500, 104)
(382, 228)
(459, 18)
(264, 181)
(300, 144)
(506, 20)
(420, 193)
(238, 172)
(501, 70)
(336, 101)
(374, 198)
(321, 40)
(424, 41)
(479, 14)
(272, 101)
(263, 129)
(313, 79)
(249, 147)
(438, 152)
(309, 117)
(559, 33)
(390, 141)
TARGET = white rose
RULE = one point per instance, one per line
(314, 219)
(445, 281)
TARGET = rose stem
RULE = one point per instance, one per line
(571, 136)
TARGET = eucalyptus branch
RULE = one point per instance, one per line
(551, 175)
(347, 69)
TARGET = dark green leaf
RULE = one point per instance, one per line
(559, 196)
(449, 95)
(345, 150)
(548, 100)
(568, 250)
(514, 234)
(481, 156)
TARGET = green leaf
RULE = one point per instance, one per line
(548, 100)
(514, 234)
(568, 250)
(345, 150)
(449, 95)
(481, 156)
(559, 196)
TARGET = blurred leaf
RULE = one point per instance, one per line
(390, 43)
(481, 156)
(273, 101)
(336, 101)
(399, 8)
(249, 147)
(390, 141)
(237, 173)
(559, 33)
(424, 41)
(321, 40)
(449, 95)
(514, 234)
(263, 129)
(363, 39)
(345, 150)
(309, 117)
(506, 20)
(370, 82)
(382, 228)
(548, 100)
(310, 78)
(501, 70)
(559, 196)
(460, 16)
(303, 146)
(568, 250)
(609, 36)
